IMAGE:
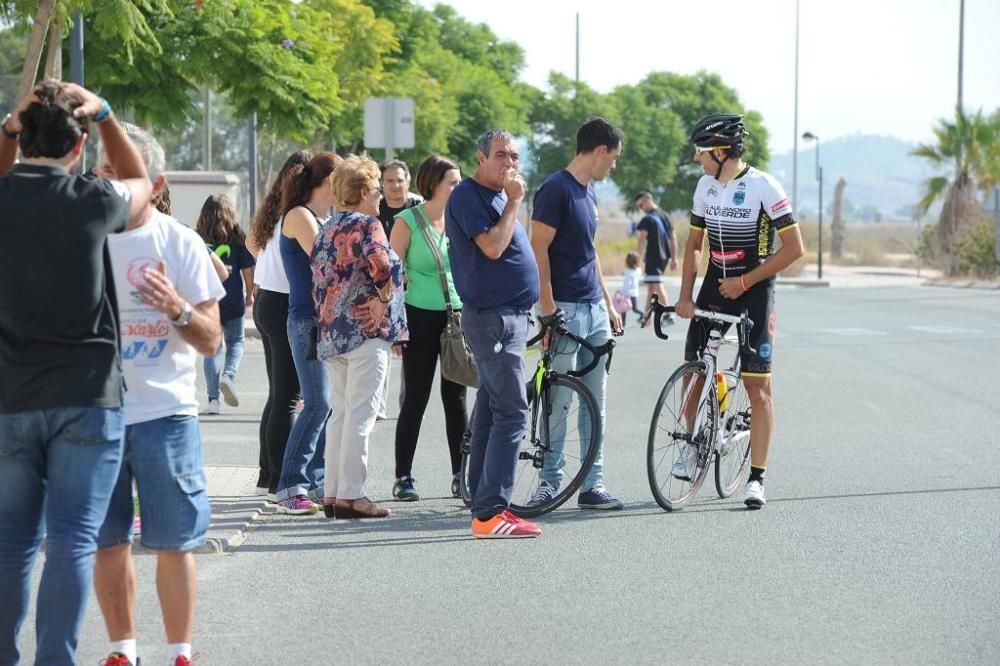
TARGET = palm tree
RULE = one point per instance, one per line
(969, 150)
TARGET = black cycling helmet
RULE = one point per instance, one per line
(720, 130)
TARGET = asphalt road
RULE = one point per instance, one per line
(880, 542)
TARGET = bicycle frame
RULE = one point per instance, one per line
(555, 324)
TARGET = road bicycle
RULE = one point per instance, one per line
(560, 444)
(701, 416)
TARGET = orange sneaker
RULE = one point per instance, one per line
(504, 525)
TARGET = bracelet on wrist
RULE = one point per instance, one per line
(105, 111)
(743, 284)
(3, 127)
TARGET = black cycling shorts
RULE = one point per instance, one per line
(758, 301)
(654, 272)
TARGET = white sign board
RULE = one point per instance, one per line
(389, 122)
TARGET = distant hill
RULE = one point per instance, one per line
(879, 170)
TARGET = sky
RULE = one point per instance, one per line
(885, 67)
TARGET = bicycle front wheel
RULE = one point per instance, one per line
(681, 436)
(560, 449)
(732, 454)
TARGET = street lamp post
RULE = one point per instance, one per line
(809, 136)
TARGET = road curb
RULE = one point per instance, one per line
(802, 282)
(963, 284)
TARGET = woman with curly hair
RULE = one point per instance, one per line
(306, 203)
(270, 314)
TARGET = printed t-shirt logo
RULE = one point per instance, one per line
(712, 192)
(728, 256)
(739, 197)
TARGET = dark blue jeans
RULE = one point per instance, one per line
(497, 338)
(63, 461)
(302, 469)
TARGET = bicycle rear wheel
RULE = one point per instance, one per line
(681, 436)
(566, 431)
(732, 455)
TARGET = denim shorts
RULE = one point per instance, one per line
(163, 458)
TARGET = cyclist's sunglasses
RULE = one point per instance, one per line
(705, 149)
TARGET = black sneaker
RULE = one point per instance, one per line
(456, 485)
(404, 490)
(599, 498)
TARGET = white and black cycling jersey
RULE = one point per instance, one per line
(741, 217)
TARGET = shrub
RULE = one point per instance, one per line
(975, 250)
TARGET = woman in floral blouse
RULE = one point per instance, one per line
(357, 281)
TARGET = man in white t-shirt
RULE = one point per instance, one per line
(168, 296)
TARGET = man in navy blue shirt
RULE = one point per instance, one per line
(495, 275)
(563, 226)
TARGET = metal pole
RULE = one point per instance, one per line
(996, 215)
(390, 112)
(577, 79)
(253, 164)
(76, 65)
(206, 139)
(819, 252)
(795, 143)
(920, 239)
(961, 49)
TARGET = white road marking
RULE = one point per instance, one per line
(854, 331)
(872, 406)
(944, 329)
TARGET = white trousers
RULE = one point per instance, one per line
(355, 379)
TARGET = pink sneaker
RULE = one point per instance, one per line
(297, 506)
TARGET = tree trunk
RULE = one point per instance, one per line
(837, 228)
(53, 61)
(961, 209)
(269, 171)
(39, 28)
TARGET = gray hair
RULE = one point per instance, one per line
(148, 147)
(486, 140)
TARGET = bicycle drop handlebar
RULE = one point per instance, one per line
(557, 323)
(743, 322)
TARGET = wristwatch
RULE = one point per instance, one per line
(184, 318)
(3, 127)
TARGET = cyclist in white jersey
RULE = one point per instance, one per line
(741, 208)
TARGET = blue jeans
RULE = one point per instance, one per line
(163, 457)
(233, 335)
(302, 469)
(63, 461)
(497, 338)
(590, 322)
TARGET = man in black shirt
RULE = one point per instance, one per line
(396, 197)
(61, 421)
(657, 245)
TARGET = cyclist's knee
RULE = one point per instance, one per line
(758, 390)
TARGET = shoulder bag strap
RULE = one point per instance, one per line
(425, 228)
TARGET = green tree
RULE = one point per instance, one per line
(968, 152)
(691, 98)
(463, 78)
(554, 120)
(121, 19)
(269, 56)
(653, 135)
